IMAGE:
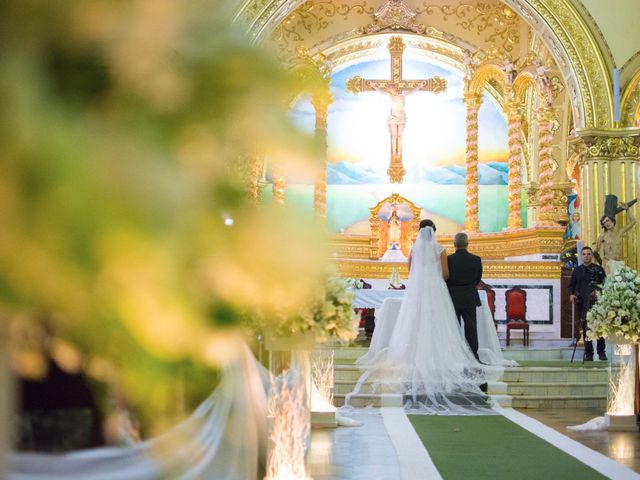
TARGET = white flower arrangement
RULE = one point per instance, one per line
(353, 283)
(617, 309)
(329, 314)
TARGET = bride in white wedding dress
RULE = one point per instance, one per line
(427, 359)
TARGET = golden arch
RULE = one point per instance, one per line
(483, 74)
(523, 82)
(575, 40)
(630, 103)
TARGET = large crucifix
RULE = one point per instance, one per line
(398, 89)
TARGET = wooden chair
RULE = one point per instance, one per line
(491, 299)
(516, 313)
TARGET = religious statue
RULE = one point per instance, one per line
(610, 240)
(573, 228)
(467, 60)
(398, 88)
(397, 117)
(543, 79)
(509, 70)
(395, 226)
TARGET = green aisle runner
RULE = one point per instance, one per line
(493, 448)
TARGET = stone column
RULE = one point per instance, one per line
(472, 101)
(514, 219)
(321, 102)
(611, 166)
(545, 165)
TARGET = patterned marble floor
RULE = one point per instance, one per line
(354, 453)
(623, 447)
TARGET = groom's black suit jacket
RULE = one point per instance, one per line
(465, 272)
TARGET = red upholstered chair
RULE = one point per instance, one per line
(516, 309)
(491, 299)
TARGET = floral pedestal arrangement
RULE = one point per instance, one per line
(289, 341)
(621, 399)
(616, 317)
(323, 412)
(289, 405)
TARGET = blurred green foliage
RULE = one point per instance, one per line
(125, 125)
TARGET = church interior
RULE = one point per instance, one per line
(223, 197)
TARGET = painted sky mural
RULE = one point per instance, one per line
(433, 151)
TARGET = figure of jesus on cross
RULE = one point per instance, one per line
(398, 90)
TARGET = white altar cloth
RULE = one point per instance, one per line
(388, 302)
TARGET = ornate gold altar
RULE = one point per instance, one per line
(352, 254)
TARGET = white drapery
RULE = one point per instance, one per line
(223, 440)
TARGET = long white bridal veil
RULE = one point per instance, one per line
(427, 359)
(221, 440)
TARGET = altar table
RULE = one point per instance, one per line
(388, 304)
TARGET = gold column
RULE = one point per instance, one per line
(279, 183)
(255, 175)
(515, 166)
(472, 101)
(545, 166)
(610, 167)
(321, 102)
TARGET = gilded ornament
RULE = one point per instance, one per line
(374, 221)
(614, 147)
(586, 60)
(497, 22)
(556, 86)
(351, 252)
(533, 194)
(545, 157)
(313, 16)
(279, 183)
(514, 219)
(471, 222)
(393, 15)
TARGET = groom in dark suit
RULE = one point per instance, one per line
(465, 272)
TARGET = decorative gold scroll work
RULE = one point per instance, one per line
(398, 89)
(491, 269)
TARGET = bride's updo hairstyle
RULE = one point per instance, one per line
(427, 223)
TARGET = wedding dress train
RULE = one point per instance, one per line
(427, 360)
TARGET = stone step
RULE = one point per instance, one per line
(366, 400)
(513, 374)
(529, 353)
(346, 373)
(555, 375)
(362, 400)
(557, 389)
(560, 401)
(342, 387)
(348, 353)
(505, 401)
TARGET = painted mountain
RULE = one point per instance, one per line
(344, 173)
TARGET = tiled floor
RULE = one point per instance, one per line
(354, 453)
(623, 447)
